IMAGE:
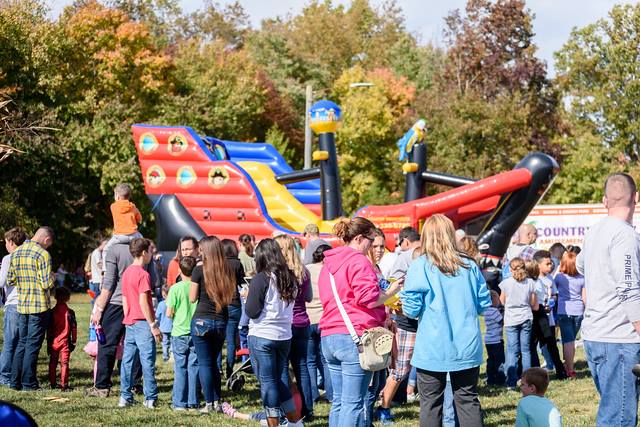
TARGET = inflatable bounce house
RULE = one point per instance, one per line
(200, 185)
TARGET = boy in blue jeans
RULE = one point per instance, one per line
(166, 325)
(185, 362)
(142, 329)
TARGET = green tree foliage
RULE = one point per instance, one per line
(230, 24)
(598, 73)
(587, 161)
(317, 45)
(24, 51)
(492, 103)
(161, 17)
(224, 93)
(373, 117)
(89, 74)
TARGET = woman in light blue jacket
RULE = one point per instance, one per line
(445, 290)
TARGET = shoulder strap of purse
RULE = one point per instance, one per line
(345, 316)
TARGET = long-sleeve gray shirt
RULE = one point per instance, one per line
(609, 262)
(116, 260)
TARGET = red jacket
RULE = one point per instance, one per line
(63, 329)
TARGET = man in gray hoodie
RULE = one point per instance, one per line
(108, 312)
(611, 325)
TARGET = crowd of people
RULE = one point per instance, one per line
(315, 320)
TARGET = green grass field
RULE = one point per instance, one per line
(576, 399)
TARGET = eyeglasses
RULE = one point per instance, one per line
(371, 239)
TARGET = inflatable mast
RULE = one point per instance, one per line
(324, 117)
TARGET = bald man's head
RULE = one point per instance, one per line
(527, 234)
(44, 236)
(619, 191)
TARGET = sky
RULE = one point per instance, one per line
(552, 25)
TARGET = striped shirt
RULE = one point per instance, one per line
(30, 272)
(493, 326)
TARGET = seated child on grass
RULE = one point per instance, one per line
(535, 410)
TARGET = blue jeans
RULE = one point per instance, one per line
(413, 377)
(139, 341)
(185, 369)
(316, 362)
(518, 344)
(378, 381)
(208, 337)
(547, 357)
(243, 333)
(298, 358)
(230, 337)
(449, 418)
(569, 327)
(270, 359)
(610, 365)
(350, 382)
(11, 337)
(31, 331)
(166, 345)
(95, 287)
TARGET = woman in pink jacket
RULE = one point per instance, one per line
(358, 290)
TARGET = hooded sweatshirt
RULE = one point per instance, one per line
(447, 307)
(125, 217)
(357, 286)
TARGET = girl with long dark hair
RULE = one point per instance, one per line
(300, 324)
(213, 286)
(246, 254)
(235, 308)
(269, 305)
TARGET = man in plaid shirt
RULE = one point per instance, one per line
(30, 272)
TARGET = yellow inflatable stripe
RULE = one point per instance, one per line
(285, 209)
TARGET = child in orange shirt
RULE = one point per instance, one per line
(61, 338)
(126, 217)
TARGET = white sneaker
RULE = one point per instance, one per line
(123, 403)
(296, 424)
(209, 408)
(150, 404)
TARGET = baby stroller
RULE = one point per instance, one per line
(236, 380)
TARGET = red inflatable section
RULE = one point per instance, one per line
(217, 194)
(220, 196)
(460, 204)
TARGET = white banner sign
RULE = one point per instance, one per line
(566, 224)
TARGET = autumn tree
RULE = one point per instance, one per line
(373, 117)
(321, 42)
(492, 103)
(224, 93)
(229, 24)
